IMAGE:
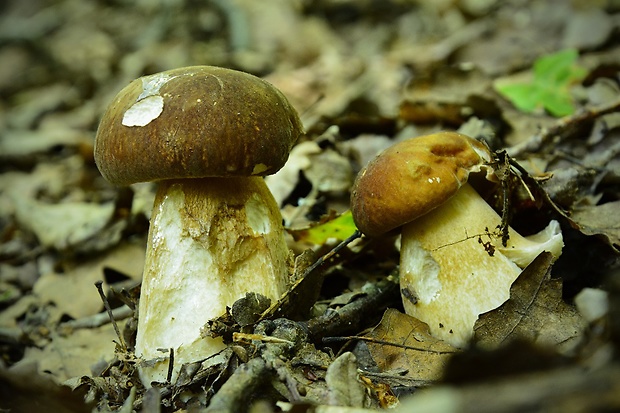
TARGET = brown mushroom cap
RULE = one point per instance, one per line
(411, 178)
(192, 122)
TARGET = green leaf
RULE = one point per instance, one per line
(559, 104)
(549, 89)
(339, 228)
(559, 68)
(524, 96)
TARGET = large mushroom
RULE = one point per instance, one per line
(453, 266)
(208, 135)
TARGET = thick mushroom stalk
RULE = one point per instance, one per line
(453, 268)
(211, 240)
(207, 135)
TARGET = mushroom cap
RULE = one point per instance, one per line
(193, 122)
(413, 177)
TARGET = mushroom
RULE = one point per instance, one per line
(208, 135)
(453, 266)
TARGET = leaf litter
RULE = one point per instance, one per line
(363, 75)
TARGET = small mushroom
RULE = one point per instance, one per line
(453, 266)
(208, 135)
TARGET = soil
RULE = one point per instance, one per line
(537, 81)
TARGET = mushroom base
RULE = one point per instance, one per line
(455, 268)
(211, 240)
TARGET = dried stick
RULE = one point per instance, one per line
(561, 128)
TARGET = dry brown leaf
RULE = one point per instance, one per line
(74, 355)
(344, 387)
(23, 389)
(534, 312)
(601, 220)
(329, 171)
(66, 225)
(587, 28)
(451, 97)
(73, 292)
(282, 183)
(413, 349)
(509, 45)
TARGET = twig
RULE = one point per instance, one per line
(234, 395)
(151, 401)
(529, 180)
(284, 306)
(99, 284)
(385, 343)
(170, 365)
(97, 320)
(357, 234)
(396, 379)
(561, 127)
(353, 316)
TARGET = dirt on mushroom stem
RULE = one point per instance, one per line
(211, 240)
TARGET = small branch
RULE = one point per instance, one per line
(285, 306)
(400, 380)
(170, 366)
(561, 128)
(99, 284)
(235, 394)
(97, 320)
(357, 234)
(529, 180)
(385, 343)
(354, 316)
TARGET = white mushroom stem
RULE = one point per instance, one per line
(448, 277)
(211, 240)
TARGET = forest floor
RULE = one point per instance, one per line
(538, 81)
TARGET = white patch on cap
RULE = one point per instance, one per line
(153, 83)
(144, 111)
(149, 104)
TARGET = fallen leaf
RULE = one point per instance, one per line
(382, 392)
(20, 143)
(587, 28)
(592, 304)
(453, 96)
(23, 389)
(74, 355)
(62, 226)
(73, 292)
(344, 387)
(329, 171)
(602, 220)
(402, 342)
(535, 312)
(566, 389)
(282, 183)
